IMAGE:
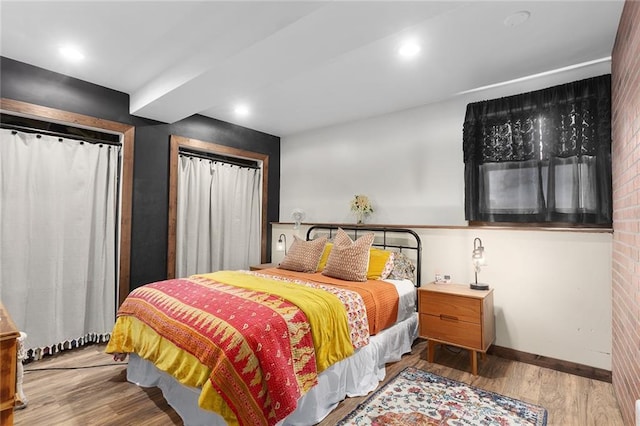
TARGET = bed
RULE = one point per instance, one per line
(282, 345)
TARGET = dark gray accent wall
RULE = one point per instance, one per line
(23, 82)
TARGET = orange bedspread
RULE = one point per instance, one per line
(380, 298)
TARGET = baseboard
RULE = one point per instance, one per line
(552, 363)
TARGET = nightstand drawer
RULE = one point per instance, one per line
(459, 333)
(455, 307)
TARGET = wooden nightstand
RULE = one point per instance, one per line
(262, 266)
(453, 314)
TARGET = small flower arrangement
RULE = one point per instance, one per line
(361, 206)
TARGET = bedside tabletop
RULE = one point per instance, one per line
(454, 314)
(262, 266)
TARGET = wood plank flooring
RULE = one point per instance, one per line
(102, 395)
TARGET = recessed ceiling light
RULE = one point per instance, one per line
(241, 110)
(409, 49)
(517, 18)
(71, 53)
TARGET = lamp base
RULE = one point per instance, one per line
(479, 286)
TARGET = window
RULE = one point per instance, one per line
(541, 157)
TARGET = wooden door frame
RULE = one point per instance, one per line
(177, 142)
(128, 135)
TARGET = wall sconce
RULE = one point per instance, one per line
(282, 243)
(477, 257)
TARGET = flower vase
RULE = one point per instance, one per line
(360, 218)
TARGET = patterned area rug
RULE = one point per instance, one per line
(417, 397)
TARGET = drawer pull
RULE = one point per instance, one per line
(448, 317)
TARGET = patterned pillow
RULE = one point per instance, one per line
(388, 267)
(342, 238)
(303, 256)
(403, 268)
(349, 260)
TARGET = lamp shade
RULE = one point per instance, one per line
(477, 256)
(282, 243)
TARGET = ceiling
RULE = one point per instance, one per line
(302, 65)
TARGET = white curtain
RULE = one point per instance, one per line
(58, 238)
(218, 223)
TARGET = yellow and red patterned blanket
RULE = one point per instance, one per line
(253, 344)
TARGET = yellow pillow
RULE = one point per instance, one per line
(377, 261)
(324, 257)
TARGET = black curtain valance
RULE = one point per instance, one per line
(566, 120)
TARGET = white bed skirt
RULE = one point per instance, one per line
(355, 376)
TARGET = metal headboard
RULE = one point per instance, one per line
(384, 239)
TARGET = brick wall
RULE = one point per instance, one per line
(625, 71)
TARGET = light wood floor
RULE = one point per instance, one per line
(102, 396)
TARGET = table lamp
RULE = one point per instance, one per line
(477, 257)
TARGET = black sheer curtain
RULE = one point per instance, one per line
(541, 157)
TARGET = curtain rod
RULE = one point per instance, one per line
(250, 164)
(58, 134)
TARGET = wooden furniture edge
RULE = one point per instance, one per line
(570, 367)
(8, 367)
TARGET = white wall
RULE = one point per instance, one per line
(552, 289)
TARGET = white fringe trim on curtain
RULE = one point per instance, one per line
(34, 354)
